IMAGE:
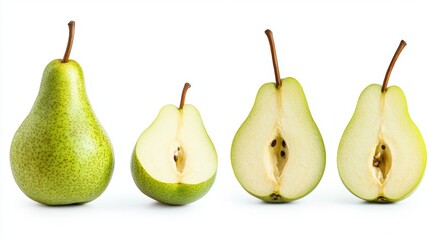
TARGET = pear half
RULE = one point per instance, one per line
(382, 155)
(278, 153)
(174, 160)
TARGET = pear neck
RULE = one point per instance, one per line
(62, 85)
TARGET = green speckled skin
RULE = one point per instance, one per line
(168, 193)
(60, 154)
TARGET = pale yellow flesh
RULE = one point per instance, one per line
(279, 112)
(381, 117)
(172, 129)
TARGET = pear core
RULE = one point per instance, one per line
(382, 162)
(180, 160)
(279, 155)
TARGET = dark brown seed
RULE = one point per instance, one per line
(383, 147)
(376, 163)
(176, 158)
(282, 153)
(284, 143)
(273, 143)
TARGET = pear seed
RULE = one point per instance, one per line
(377, 156)
(273, 143)
(176, 158)
(383, 147)
(284, 143)
(376, 163)
(282, 153)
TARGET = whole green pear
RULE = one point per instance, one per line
(60, 154)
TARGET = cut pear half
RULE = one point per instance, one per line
(278, 153)
(176, 147)
(382, 154)
(174, 160)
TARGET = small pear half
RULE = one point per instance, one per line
(174, 160)
(382, 155)
(278, 154)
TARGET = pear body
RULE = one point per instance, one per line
(278, 154)
(382, 154)
(174, 160)
(60, 154)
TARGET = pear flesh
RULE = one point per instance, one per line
(61, 154)
(176, 155)
(278, 153)
(382, 154)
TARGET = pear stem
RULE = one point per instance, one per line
(69, 43)
(182, 99)
(274, 57)
(392, 63)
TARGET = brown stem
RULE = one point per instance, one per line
(392, 63)
(274, 57)
(182, 100)
(69, 43)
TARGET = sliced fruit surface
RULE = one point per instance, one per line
(176, 147)
(382, 154)
(278, 153)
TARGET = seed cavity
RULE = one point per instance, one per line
(179, 159)
(382, 162)
(279, 155)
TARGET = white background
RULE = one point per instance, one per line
(137, 55)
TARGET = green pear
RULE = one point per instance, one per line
(60, 154)
(278, 154)
(382, 155)
(174, 160)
